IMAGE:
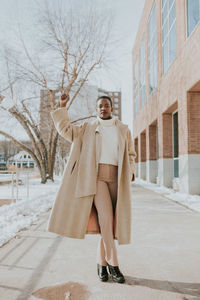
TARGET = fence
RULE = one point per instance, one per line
(13, 179)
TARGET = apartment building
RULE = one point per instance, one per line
(166, 94)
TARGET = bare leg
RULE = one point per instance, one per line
(107, 249)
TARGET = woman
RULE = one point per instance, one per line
(95, 195)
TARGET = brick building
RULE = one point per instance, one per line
(166, 94)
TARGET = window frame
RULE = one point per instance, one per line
(155, 61)
(142, 101)
(175, 158)
(186, 16)
(136, 91)
(167, 37)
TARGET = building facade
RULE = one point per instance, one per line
(22, 160)
(166, 94)
(9, 150)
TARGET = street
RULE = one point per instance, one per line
(161, 263)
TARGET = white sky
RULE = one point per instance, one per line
(127, 17)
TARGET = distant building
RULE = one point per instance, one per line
(22, 160)
(166, 97)
(7, 150)
(3, 164)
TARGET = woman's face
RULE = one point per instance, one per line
(104, 109)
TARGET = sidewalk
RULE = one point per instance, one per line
(161, 263)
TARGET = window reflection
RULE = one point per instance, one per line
(152, 46)
(142, 74)
(193, 15)
(172, 43)
(136, 89)
(168, 33)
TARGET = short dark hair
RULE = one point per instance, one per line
(105, 97)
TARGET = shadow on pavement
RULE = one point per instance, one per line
(192, 289)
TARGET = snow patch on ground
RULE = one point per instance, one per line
(190, 201)
(21, 214)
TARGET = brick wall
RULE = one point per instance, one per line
(193, 118)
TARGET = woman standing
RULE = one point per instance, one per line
(95, 195)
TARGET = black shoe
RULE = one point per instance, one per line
(102, 272)
(116, 274)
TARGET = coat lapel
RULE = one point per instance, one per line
(122, 129)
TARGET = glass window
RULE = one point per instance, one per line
(193, 15)
(152, 48)
(165, 52)
(164, 2)
(136, 89)
(142, 74)
(175, 145)
(172, 43)
(168, 33)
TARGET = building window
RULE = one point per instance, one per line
(152, 46)
(175, 145)
(142, 74)
(168, 33)
(136, 89)
(193, 15)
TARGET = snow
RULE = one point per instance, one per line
(21, 214)
(190, 201)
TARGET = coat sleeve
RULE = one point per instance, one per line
(63, 126)
(131, 152)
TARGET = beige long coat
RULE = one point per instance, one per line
(74, 214)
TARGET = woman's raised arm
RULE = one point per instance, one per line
(62, 123)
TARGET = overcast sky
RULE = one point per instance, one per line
(127, 16)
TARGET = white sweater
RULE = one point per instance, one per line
(109, 147)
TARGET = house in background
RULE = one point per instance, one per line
(166, 94)
(22, 160)
(7, 150)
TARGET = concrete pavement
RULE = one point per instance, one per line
(161, 263)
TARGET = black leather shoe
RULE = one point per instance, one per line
(116, 274)
(102, 272)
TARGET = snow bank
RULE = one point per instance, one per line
(19, 215)
(190, 201)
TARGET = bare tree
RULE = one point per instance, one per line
(72, 46)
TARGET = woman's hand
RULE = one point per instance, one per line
(64, 98)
